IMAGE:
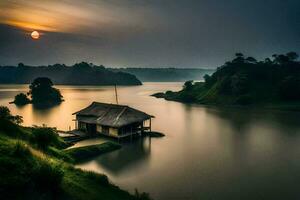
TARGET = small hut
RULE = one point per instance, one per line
(112, 120)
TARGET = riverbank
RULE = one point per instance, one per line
(283, 106)
(36, 170)
(87, 152)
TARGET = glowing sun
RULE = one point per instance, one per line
(35, 35)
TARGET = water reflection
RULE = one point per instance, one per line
(131, 155)
(208, 152)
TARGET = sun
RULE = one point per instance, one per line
(35, 35)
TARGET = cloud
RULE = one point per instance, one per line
(178, 33)
(88, 17)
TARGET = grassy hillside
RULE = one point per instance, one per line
(33, 165)
(246, 81)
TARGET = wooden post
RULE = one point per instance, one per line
(131, 133)
(149, 142)
(150, 125)
(116, 92)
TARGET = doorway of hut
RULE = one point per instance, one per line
(91, 129)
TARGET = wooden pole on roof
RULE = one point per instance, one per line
(116, 93)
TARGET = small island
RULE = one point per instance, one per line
(246, 81)
(42, 94)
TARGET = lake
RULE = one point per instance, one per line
(208, 152)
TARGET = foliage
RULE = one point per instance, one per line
(165, 74)
(244, 80)
(42, 92)
(44, 137)
(79, 74)
(188, 85)
(6, 115)
(21, 99)
(289, 88)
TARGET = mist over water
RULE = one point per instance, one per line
(208, 152)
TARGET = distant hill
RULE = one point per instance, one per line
(245, 81)
(166, 74)
(78, 74)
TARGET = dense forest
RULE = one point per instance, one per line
(165, 74)
(78, 74)
(244, 81)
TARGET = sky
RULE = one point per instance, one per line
(146, 33)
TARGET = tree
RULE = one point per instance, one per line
(21, 99)
(42, 92)
(239, 58)
(21, 65)
(292, 56)
(239, 84)
(251, 60)
(239, 55)
(82, 66)
(283, 59)
(188, 85)
(289, 88)
(267, 61)
(6, 115)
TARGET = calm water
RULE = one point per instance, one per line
(208, 153)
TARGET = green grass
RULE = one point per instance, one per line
(82, 153)
(29, 172)
(79, 183)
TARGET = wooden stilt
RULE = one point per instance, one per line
(149, 143)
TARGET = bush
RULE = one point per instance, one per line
(21, 99)
(10, 129)
(43, 137)
(188, 85)
(169, 92)
(6, 115)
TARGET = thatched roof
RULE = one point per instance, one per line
(110, 115)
